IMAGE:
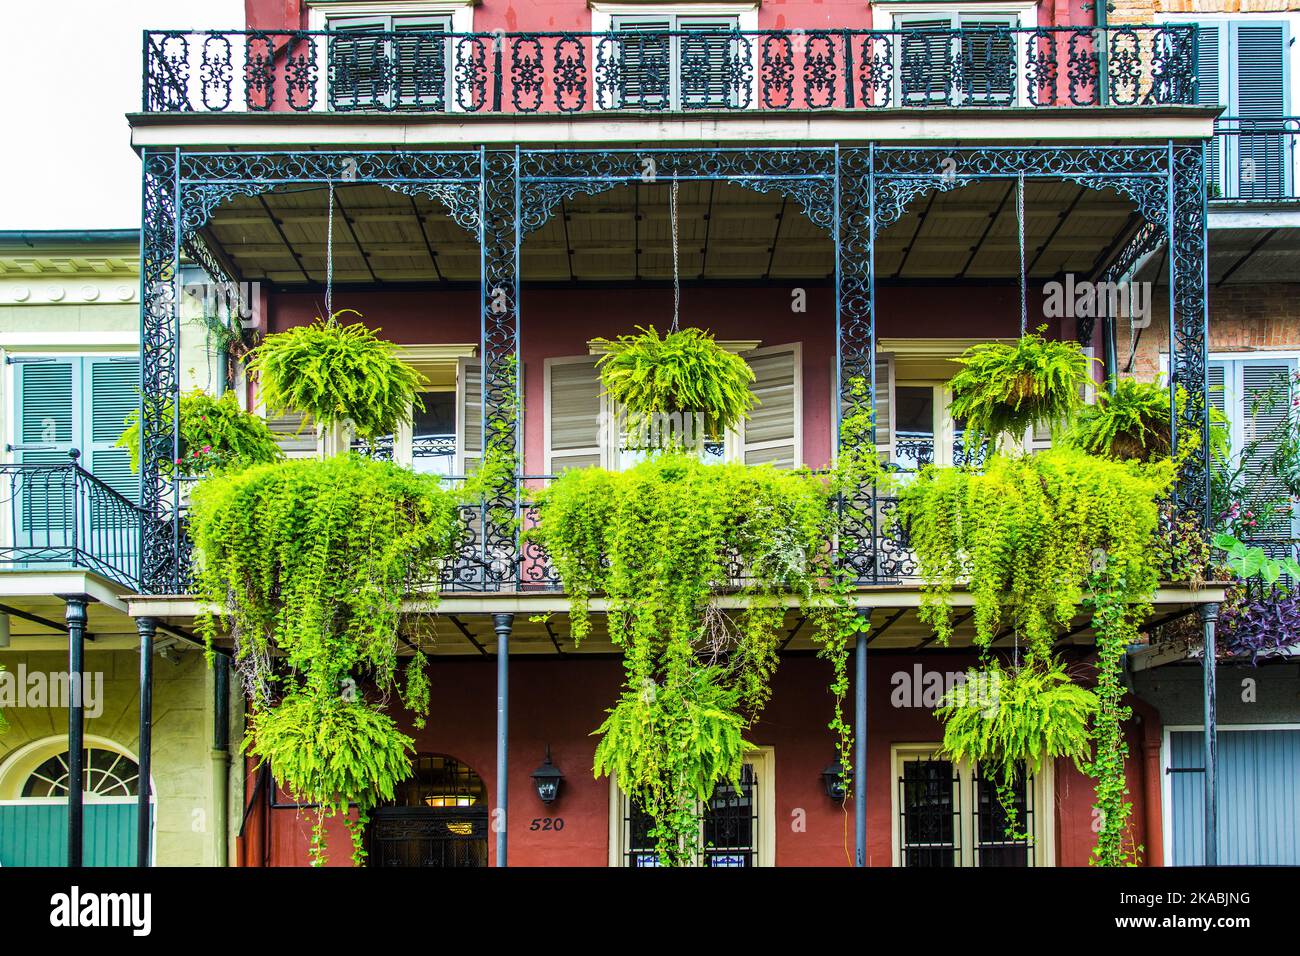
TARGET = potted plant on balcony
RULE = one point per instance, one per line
(1006, 389)
(683, 373)
(336, 374)
(215, 433)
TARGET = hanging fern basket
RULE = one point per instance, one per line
(336, 373)
(1006, 389)
(683, 373)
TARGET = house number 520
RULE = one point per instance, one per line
(547, 823)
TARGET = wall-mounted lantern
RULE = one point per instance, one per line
(833, 778)
(547, 778)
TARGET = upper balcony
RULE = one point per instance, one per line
(414, 76)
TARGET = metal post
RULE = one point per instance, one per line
(1210, 614)
(146, 626)
(501, 623)
(860, 747)
(75, 615)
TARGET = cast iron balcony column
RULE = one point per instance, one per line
(75, 615)
(1209, 615)
(146, 626)
(502, 623)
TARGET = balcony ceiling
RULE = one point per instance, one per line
(725, 233)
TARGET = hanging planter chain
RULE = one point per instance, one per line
(1020, 227)
(329, 254)
(677, 282)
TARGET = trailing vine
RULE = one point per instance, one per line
(307, 563)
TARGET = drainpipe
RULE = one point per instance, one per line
(221, 757)
(860, 745)
(1209, 615)
(146, 626)
(1103, 64)
(501, 623)
(75, 616)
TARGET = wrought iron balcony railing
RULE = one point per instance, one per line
(1253, 160)
(678, 71)
(61, 517)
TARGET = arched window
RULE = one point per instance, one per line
(438, 817)
(106, 774)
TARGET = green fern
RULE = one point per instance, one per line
(1006, 389)
(335, 373)
(215, 433)
(683, 372)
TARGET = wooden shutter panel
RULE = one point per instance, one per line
(1265, 408)
(112, 393)
(643, 61)
(294, 440)
(48, 425)
(1209, 92)
(361, 65)
(884, 405)
(988, 60)
(573, 410)
(421, 57)
(925, 70)
(469, 402)
(1260, 65)
(772, 434)
(705, 63)
(1217, 372)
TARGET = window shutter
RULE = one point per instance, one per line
(1217, 372)
(772, 434)
(573, 410)
(988, 61)
(113, 393)
(643, 62)
(884, 405)
(469, 401)
(1260, 94)
(705, 63)
(421, 48)
(47, 429)
(294, 440)
(1209, 92)
(361, 67)
(1265, 408)
(925, 71)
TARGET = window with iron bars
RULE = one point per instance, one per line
(949, 815)
(730, 827)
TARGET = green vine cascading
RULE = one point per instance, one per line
(660, 541)
(1034, 537)
(307, 564)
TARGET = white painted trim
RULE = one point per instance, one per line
(606, 444)
(383, 131)
(1166, 778)
(36, 341)
(461, 11)
(1044, 808)
(20, 584)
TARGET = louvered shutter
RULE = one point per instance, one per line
(884, 405)
(1259, 62)
(1217, 373)
(361, 64)
(644, 75)
(112, 393)
(774, 430)
(294, 440)
(1209, 92)
(48, 423)
(705, 63)
(988, 61)
(1265, 407)
(574, 436)
(421, 53)
(469, 403)
(925, 70)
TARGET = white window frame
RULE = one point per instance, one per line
(892, 16)
(1166, 778)
(1043, 790)
(763, 759)
(605, 447)
(606, 16)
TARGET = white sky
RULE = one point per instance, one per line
(68, 74)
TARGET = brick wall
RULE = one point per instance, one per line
(1145, 11)
(1243, 318)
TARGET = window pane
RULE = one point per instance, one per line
(927, 803)
(997, 841)
(914, 426)
(433, 434)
